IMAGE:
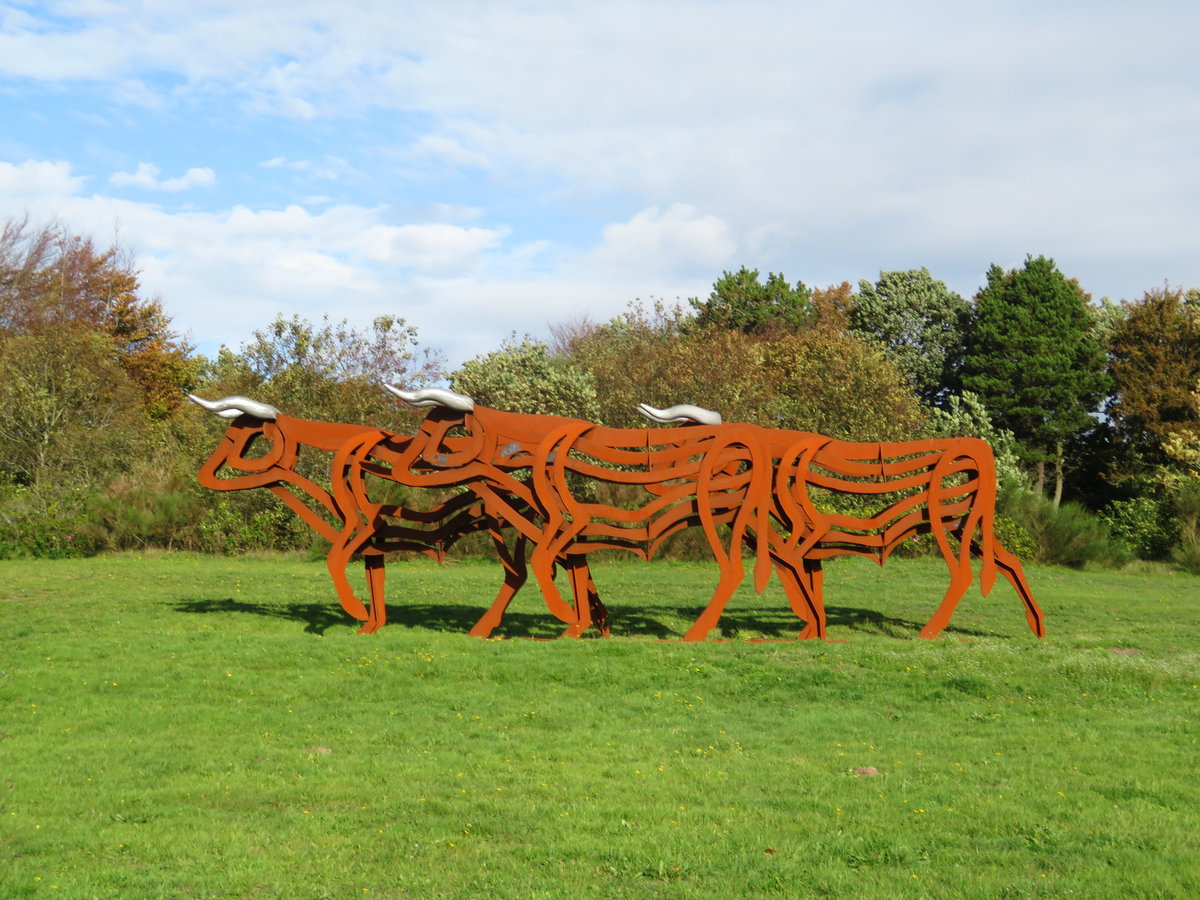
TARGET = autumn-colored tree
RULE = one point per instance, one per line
(839, 385)
(662, 359)
(52, 279)
(1033, 360)
(67, 416)
(1155, 362)
(820, 379)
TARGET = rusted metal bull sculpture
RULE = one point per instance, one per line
(346, 516)
(704, 475)
(757, 481)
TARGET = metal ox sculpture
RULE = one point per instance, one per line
(755, 482)
(344, 514)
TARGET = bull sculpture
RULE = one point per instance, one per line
(345, 515)
(745, 486)
(758, 482)
(703, 475)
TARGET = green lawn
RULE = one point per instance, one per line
(180, 726)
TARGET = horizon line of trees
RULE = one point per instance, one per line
(1093, 409)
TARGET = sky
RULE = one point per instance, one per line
(489, 168)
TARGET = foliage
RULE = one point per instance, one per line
(67, 412)
(1147, 525)
(45, 523)
(921, 324)
(53, 281)
(1186, 553)
(838, 385)
(651, 357)
(225, 706)
(524, 377)
(328, 371)
(1067, 534)
(965, 415)
(820, 379)
(1032, 359)
(1155, 361)
(1014, 537)
(740, 302)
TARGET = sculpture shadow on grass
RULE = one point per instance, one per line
(661, 623)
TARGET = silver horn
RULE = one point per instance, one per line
(434, 397)
(682, 412)
(232, 407)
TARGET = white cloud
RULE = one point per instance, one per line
(431, 247)
(825, 140)
(35, 183)
(146, 177)
(675, 239)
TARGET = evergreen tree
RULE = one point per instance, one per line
(740, 302)
(1031, 358)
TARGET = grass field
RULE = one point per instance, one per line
(178, 726)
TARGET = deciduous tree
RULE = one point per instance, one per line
(921, 325)
(53, 279)
(1155, 362)
(523, 376)
(330, 371)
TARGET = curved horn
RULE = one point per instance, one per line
(434, 397)
(232, 407)
(682, 412)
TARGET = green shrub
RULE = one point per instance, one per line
(1147, 525)
(45, 528)
(1068, 535)
(1186, 553)
(237, 524)
(1015, 537)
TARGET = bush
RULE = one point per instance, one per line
(233, 525)
(1068, 535)
(45, 526)
(1147, 525)
(1015, 537)
(1187, 505)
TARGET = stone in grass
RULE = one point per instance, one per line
(868, 771)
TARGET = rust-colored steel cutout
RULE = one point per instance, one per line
(757, 482)
(524, 479)
(348, 518)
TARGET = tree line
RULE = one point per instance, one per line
(1093, 408)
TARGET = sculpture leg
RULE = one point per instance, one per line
(376, 573)
(1011, 567)
(336, 561)
(960, 580)
(584, 589)
(731, 577)
(803, 590)
(515, 574)
(541, 561)
(583, 604)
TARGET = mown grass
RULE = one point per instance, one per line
(181, 726)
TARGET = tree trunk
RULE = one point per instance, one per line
(1058, 473)
(1040, 485)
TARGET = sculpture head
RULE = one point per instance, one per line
(251, 420)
